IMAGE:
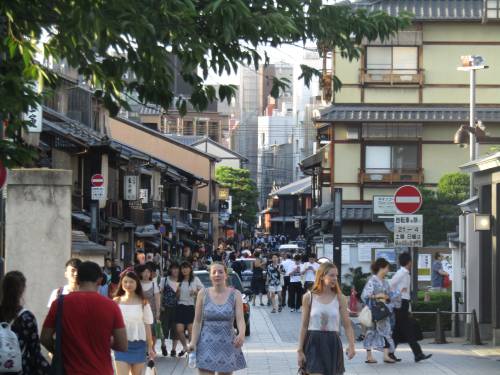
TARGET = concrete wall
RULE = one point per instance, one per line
(38, 231)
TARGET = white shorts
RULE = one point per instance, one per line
(274, 289)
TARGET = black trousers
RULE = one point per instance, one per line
(295, 292)
(286, 283)
(405, 328)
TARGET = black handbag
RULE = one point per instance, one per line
(57, 365)
(380, 311)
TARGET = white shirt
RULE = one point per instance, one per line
(55, 292)
(185, 295)
(288, 266)
(402, 280)
(324, 316)
(135, 318)
(295, 276)
(173, 284)
(310, 275)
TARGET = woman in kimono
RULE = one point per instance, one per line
(379, 335)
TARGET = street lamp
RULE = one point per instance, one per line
(470, 64)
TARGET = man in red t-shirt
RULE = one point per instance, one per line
(92, 325)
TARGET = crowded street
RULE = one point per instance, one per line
(250, 187)
(271, 349)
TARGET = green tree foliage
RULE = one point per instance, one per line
(440, 208)
(243, 190)
(104, 39)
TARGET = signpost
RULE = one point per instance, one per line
(408, 230)
(130, 190)
(98, 190)
(408, 199)
(383, 208)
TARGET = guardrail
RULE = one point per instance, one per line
(440, 337)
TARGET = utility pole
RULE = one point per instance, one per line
(162, 227)
(337, 228)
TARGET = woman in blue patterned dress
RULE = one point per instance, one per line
(379, 335)
(217, 347)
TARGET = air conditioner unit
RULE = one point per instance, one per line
(352, 133)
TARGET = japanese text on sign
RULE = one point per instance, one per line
(408, 230)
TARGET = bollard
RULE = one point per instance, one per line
(439, 336)
(475, 336)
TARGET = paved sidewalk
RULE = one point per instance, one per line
(271, 349)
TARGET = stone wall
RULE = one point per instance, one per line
(38, 231)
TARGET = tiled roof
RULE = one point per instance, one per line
(428, 10)
(357, 113)
(302, 186)
(187, 140)
(352, 212)
(149, 109)
(56, 122)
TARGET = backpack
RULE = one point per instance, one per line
(169, 298)
(11, 357)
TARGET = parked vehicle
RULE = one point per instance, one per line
(290, 248)
(235, 282)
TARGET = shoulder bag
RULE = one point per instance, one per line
(57, 365)
(380, 311)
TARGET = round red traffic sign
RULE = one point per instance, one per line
(3, 175)
(408, 199)
(97, 180)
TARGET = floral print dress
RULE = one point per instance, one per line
(26, 329)
(381, 332)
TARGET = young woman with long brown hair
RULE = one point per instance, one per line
(320, 349)
(138, 319)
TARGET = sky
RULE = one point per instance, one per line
(289, 54)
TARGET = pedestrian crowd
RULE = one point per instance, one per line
(109, 320)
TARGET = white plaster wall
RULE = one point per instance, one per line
(38, 231)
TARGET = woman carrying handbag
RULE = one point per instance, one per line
(376, 295)
(320, 348)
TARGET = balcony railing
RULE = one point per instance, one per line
(390, 176)
(392, 76)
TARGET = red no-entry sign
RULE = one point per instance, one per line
(408, 199)
(3, 175)
(97, 180)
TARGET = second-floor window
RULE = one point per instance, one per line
(388, 158)
(395, 59)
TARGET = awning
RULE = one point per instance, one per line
(350, 212)
(81, 216)
(146, 231)
(314, 160)
(302, 186)
(281, 219)
(81, 244)
(405, 113)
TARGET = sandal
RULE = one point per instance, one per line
(273, 311)
(389, 360)
(182, 353)
(370, 361)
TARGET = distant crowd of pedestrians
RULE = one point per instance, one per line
(109, 320)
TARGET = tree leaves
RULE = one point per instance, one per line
(106, 39)
(243, 190)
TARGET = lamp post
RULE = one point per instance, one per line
(240, 235)
(162, 228)
(471, 64)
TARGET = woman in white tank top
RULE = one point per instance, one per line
(320, 348)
